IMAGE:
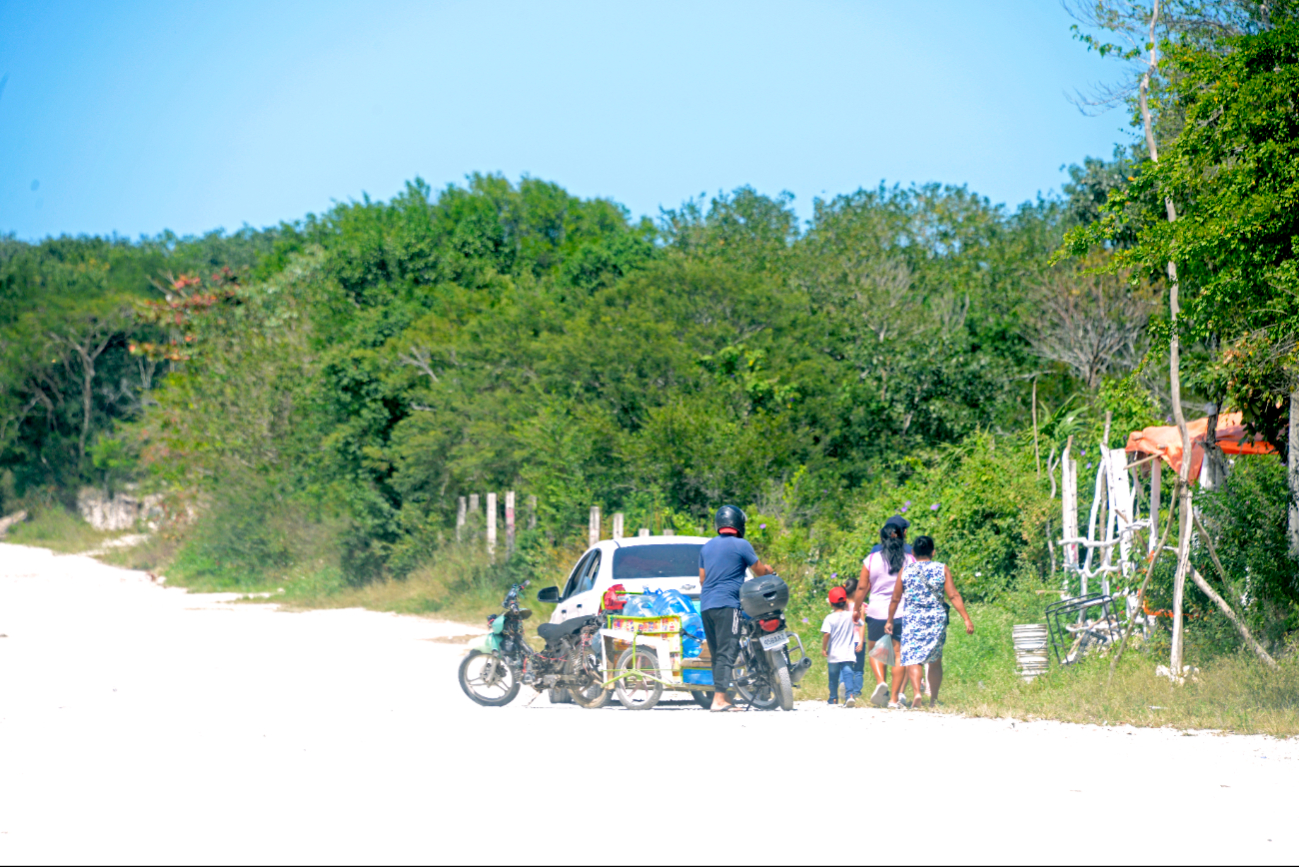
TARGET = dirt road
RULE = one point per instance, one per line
(144, 724)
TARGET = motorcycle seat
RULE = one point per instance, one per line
(555, 631)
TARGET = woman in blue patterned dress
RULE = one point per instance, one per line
(923, 583)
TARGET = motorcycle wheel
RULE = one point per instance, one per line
(773, 690)
(758, 694)
(488, 680)
(591, 697)
(781, 683)
(633, 692)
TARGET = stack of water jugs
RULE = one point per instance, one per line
(664, 603)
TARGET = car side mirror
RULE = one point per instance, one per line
(548, 594)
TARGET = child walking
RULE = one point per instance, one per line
(840, 640)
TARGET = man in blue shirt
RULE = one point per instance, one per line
(722, 561)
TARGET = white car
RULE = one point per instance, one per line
(638, 563)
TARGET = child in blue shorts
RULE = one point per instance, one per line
(840, 640)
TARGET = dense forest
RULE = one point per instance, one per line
(323, 391)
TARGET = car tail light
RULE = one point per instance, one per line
(615, 598)
(769, 625)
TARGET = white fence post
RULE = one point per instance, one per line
(460, 519)
(491, 524)
(509, 522)
(617, 525)
(644, 531)
(593, 526)
(532, 512)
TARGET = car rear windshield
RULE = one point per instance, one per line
(656, 561)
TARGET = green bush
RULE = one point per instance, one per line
(248, 536)
(1245, 518)
(981, 502)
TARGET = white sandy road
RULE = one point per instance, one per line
(145, 724)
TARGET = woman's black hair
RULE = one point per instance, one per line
(924, 546)
(893, 547)
(850, 586)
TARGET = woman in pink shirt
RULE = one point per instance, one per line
(879, 573)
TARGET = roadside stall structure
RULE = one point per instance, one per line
(1099, 566)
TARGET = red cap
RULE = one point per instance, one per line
(837, 595)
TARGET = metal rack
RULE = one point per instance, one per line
(1080, 624)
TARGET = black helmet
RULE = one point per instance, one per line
(731, 516)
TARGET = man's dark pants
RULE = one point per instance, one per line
(722, 631)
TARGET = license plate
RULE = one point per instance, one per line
(776, 639)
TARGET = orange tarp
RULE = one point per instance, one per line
(1167, 441)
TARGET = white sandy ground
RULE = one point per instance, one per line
(143, 724)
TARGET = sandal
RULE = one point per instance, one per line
(728, 709)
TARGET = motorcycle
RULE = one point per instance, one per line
(492, 673)
(765, 671)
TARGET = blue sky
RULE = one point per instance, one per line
(138, 117)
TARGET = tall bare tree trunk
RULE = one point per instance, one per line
(1174, 369)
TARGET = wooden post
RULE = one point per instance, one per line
(1184, 507)
(593, 526)
(643, 531)
(1096, 505)
(1069, 510)
(460, 519)
(1293, 467)
(617, 525)
(1156, 471)
(1121, 508)
(1091, 523)
(473, 504)
(491, 524)
(668, 531)
(532, 512)
(509, 522)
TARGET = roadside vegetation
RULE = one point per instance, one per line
(58, 529)
(312, 400)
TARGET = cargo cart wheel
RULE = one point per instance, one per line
(634, 691)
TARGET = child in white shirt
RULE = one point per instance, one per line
(840, 640)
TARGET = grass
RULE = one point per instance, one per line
(57, 529)
(462, 584)
(1230, 693)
